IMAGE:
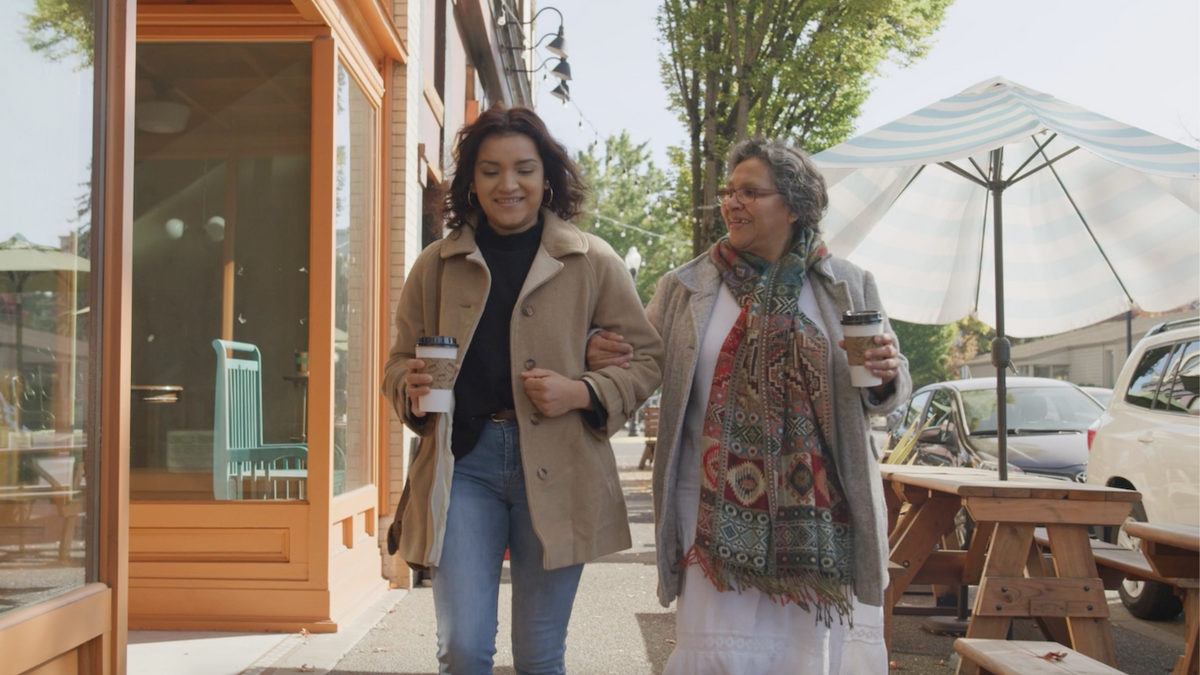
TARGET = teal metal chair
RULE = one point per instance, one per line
(239, 454)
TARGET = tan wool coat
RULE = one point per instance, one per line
(576, 283)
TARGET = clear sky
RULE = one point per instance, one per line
(1135, 62)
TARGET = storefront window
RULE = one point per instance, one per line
(354, 136)
(47, 468)
(221, 253)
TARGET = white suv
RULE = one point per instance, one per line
(1148, 439)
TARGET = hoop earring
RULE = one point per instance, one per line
(551, 200)
(476, 204)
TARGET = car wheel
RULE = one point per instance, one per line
(1144, 599)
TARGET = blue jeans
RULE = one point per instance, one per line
(488, 513)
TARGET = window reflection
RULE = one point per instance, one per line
(46, 290)
(220, 252)
(354, 136)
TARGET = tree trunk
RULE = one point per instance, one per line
(709, 190)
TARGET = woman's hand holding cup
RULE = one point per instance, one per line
(416, 384)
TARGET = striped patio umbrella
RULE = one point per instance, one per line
(1033, 214)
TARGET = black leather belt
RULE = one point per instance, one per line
(503, 416)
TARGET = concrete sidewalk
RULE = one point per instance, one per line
(617, 626)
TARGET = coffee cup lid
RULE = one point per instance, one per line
(437, 341)
(863, 318)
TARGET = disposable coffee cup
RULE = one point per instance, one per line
(439, 354)
(860, 329)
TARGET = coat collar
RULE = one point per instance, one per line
(701, 273)
(559, 238)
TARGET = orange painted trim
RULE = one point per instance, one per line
(322, 293)
(115, 330)
(231, 33)
(382, 427)
(365, 17)
(352, 503)
(32, 636)
(358, 64)
(67, 664)
(221, 15)
(225, 608)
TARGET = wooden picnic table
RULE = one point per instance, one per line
(1006, 513)
(1173, 551)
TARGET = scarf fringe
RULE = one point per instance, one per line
(812, 591)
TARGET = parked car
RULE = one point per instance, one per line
(1047, 425)
(1148, 439)
(1101, 394)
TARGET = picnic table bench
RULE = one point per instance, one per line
(1173, 552)
(1021, 657)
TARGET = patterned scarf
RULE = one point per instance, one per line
(773, 515)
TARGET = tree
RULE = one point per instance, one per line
(928, 349)
(795, 69)
(631, 205)
(60, 29)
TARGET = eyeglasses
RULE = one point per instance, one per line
(744, 195)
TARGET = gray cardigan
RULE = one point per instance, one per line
(680, 310)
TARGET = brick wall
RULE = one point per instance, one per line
(405, 239)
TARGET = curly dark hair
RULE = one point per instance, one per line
(566, 182)
(800, 184)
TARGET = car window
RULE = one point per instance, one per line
(915, 407)
(1033, 409)
(1179, 391)
(939, 409)
(1143, 386)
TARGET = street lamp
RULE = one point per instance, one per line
(633, 261)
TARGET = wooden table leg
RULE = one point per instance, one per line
(1189, 663)
(1053, 627)
(1072, 553)
(924, 530)
(1006, 558)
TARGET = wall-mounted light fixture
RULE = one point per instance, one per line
(557, 47)
(562, 71)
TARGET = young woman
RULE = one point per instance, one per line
(523, 462)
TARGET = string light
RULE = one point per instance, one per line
(627, 226)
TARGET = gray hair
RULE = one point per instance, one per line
(800, 184)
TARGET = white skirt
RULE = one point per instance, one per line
(747, 633)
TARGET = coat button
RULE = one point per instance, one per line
(542, 473)
(530, 364)
(527, 310)
(535, 418)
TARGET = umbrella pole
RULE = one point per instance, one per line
(1001, 355)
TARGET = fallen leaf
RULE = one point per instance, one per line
(894, 665)
(304, 632)
(1053, 656)
(380, 649)
(305, 669)
(670, 642)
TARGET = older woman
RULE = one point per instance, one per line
(523, 461)
(767, 496)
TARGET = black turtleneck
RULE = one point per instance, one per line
(484, 384)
